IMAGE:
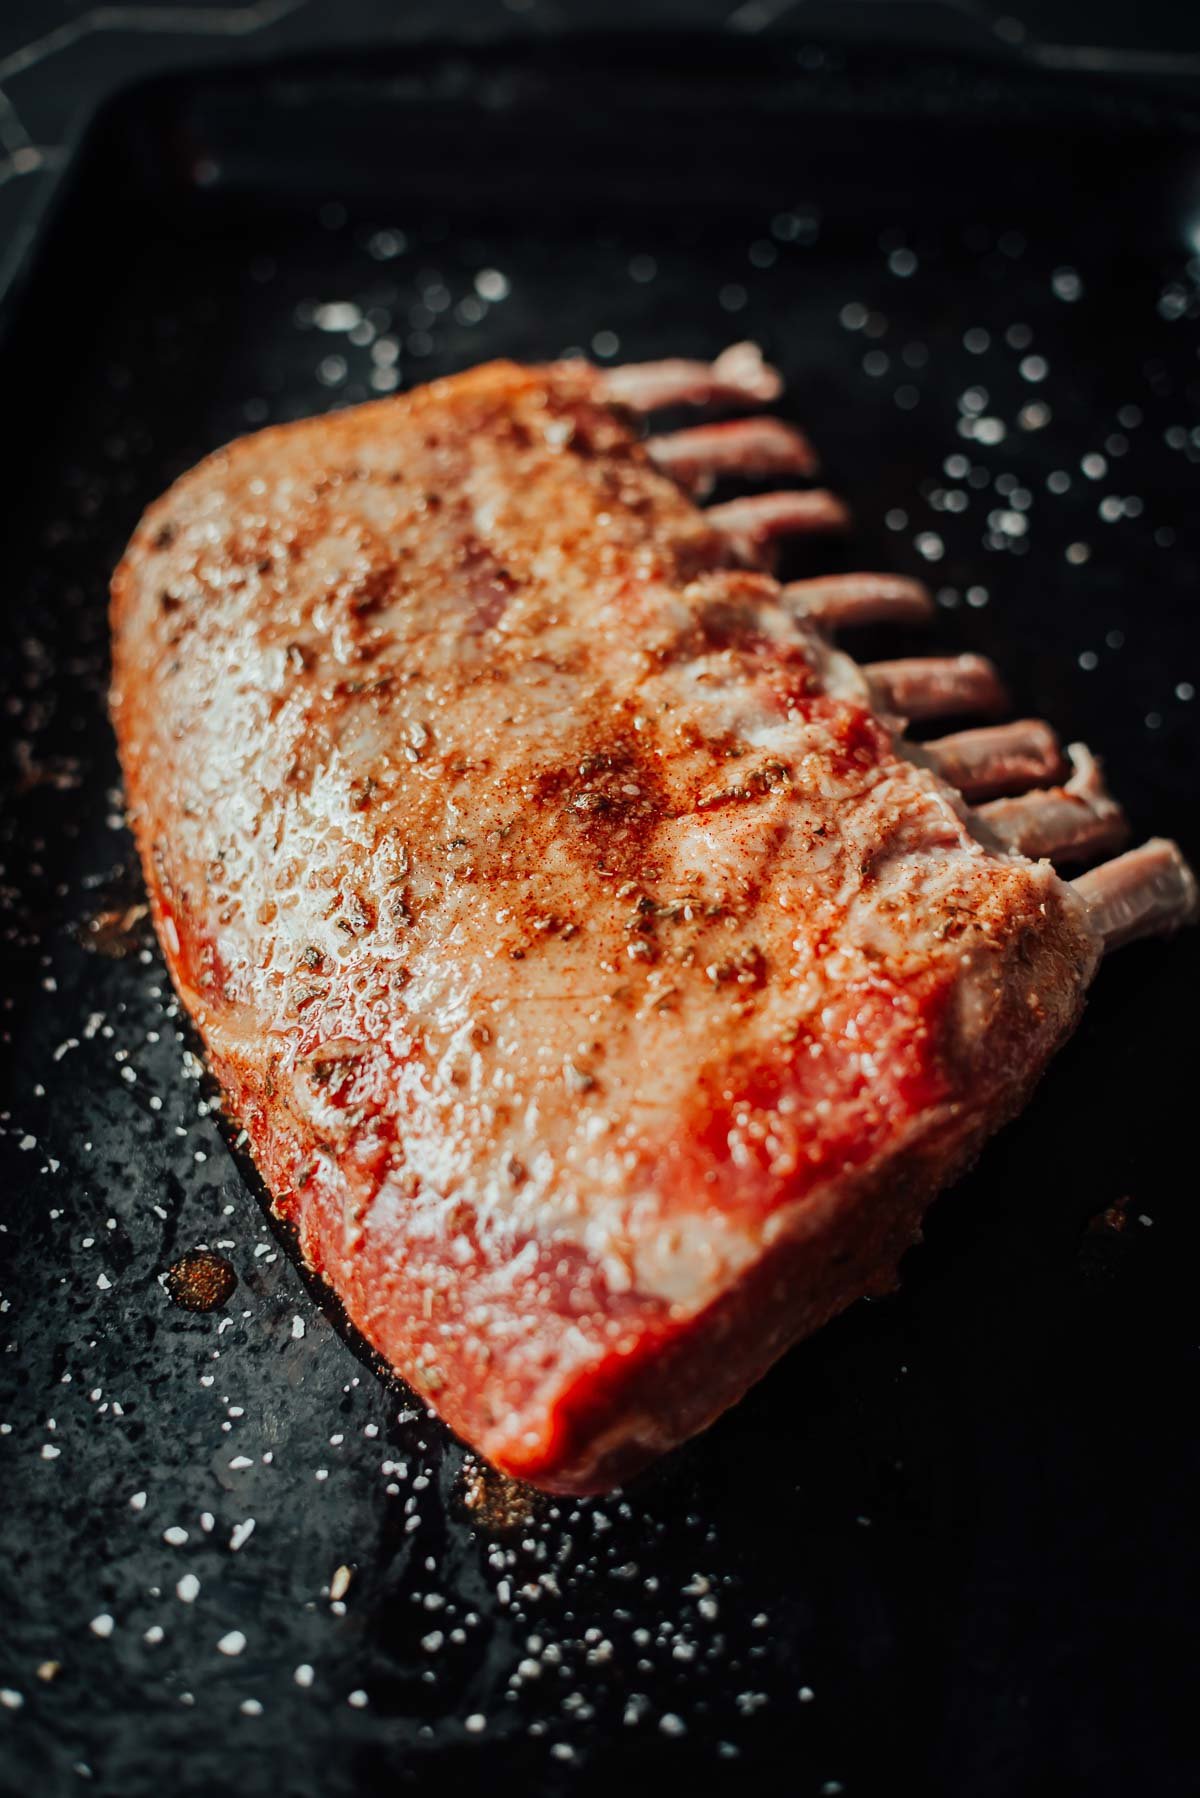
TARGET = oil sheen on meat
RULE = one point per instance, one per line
(604, 992)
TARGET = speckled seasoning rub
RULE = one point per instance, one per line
(604, 983)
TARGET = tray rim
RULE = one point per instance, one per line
(770, 57)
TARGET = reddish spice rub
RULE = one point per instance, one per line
(604, 990)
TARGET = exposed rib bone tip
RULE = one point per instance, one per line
(742, 366)
(1072, 823)
(739, 377)
(743, 446)
(997, 758)
(837, 601)
(1148, 891)
(921, 687)
(751, 524)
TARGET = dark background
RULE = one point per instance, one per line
(59, 58)
(948, 1545)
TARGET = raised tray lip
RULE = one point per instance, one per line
(429, 1766)
(1082, 96)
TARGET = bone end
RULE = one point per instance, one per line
(842, 601)
(739, 377)
(997, 758)
(1072, 823)
(1149, 891)
(924, 687)
(753, 524)
(749, 447)
(743, 367)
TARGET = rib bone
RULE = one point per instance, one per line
(837, 600)
(998, 758)
(921, 687)
(1149, 891)
(753, 523)
(738, 377)
(1073, 823)
(746, 446)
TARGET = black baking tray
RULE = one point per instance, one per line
(945, 1546)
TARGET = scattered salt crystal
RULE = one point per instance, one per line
(490, 284)
(338, 315)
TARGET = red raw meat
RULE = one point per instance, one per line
(604, 984)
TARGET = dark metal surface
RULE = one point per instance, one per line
(946, 1544)
(60, 59)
